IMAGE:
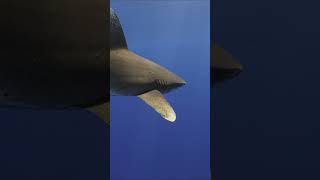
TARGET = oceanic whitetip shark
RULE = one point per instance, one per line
(133, 75)
(223, 65)
(54, 54)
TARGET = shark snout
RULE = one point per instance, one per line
(181, 82)
(178, 82)
(223, 65)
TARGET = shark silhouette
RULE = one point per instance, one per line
(223, 65)
(52, 59)
(133, 75)
(54, 55)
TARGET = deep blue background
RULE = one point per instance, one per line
(52, 144)
(267, 120)
(144, 146)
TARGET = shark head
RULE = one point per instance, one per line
(132, 74)
(223, 66)
(165, 81)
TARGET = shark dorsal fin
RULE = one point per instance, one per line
(118, 40)
(155, 99)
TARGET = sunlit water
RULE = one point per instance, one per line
(174, 34)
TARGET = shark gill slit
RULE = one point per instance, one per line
(161, 85)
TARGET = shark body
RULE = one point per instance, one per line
(50, 58)
(134, 75)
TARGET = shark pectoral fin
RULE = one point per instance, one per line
(156, 100)
(102, 111)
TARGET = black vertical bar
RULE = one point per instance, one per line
(108, 84)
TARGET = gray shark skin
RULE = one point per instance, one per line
(53, 54)
(223, 65)
(133, 75)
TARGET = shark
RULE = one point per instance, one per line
(223, 66)
(134, 75)
(55, 56)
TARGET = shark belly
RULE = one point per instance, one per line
(50, 82)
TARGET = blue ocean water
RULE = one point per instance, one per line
(267, 120)
(144, 146)
(52, 144)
